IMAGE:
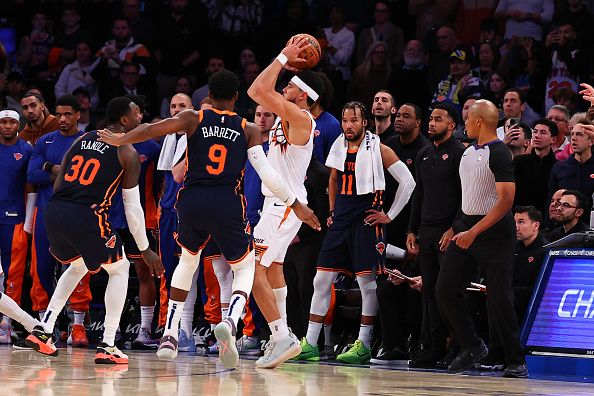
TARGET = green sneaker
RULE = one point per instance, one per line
(308, 352)
(357, 354)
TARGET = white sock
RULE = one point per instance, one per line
(328, 335)
(313, 332)
(146, 316)
(10, 308)
(280, 295)
(79, 317)
(224, 312)
(66, 285)
(365, 332)
(278, 329)
(174, 313)
(187, 315)
(236, 307)
(115, 297)
(41, 314)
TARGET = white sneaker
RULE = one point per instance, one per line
(225, 334)
(279, 351)
(248, 346)
(167, 348)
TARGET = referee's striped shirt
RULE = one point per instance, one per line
(480, 168)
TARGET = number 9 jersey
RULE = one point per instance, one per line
(217, 151)
(92, 173)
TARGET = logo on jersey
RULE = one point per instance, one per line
(530, 259)
(317, 133)
(445, 157)
(380, 247)
(18, 156)
(248, 228)
(408, 161)
(142, 158)
(110, 244)
(279, 138)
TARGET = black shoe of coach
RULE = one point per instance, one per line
(429, 359)
(468, 358)
(516, 371)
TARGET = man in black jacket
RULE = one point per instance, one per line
(571, 209)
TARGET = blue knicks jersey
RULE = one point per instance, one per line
(217, 150)
(13, 179)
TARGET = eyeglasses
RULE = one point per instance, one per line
(564, 205)
(557, 119)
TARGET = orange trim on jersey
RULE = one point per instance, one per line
(106, 204)
(285, 216)
(243, 123)
(176, 236)
(213, 256)
(248, 251)
(349, 273)
(352, 151)
(64, 261)
(226, 112)
(260, 250)
(134, 256)
(367, 272)
(200, 115)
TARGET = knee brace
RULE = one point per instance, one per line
(367, 285)
(320, 301)
(184, 273)
(243, 273)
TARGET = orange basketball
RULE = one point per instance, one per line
(312, 52)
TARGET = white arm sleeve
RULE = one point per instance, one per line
(30, 212)
(135, 216)
(271, 179)
(406, 185)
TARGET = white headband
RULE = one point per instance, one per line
(305, 88)
(9, 114)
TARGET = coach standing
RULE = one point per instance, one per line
(484, 236)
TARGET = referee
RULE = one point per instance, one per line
(484, 236)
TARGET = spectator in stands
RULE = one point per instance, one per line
(382, 30)
(571, 218)
(383, 109)
(461, 82)
(517, 136)
(143, 29)
(370, 76)
(327, 126)
(574, 172)
(215, 64)
(431, 13)
(577, 11)
(245, 106)
(182, 85)
(341, 42)
(15, 89)
(532, 170)
(470, 17)
(87, 121)
(488, 55)
(460, 132)
(489, 32)
(439, 62)
(79, 74)
(514, 104)
(525, 18)
(567, 97)
(560, 116)
(34, 49)
(38, 121)
(409, 79)
(71, 34)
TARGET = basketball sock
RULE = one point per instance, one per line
(313, 332)
(236, 307)
(115, 297)
(174, 313)
(41, 314)
(79, 317)
(224, 312)
(328, 335)
(146, 316)
(10, 308)
(66, 285)
(187, 315)
(224, 275)
(278, 329)
(280, 295)
(365, 332)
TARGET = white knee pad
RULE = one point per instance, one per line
(322, 283)
(121, 266)
(224, 275)
(184, 272)
(367, 285)
(243, 273)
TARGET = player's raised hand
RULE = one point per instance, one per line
(292, 51)
(587, 93)
(306, 215)
(153, 262)
(109, 137)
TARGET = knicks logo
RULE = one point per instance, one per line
(142, 158)
(530, 259)
(408, 161)
(111, 242)
(317, 133)
(444, 157)
(18, 156)
(380, 247)
(248, 228)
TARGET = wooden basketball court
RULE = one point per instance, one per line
(74, 373)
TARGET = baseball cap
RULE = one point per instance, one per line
(458, 54)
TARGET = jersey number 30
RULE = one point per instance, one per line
(217, 154)
(85, 172)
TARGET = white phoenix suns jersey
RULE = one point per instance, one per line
(290, 160)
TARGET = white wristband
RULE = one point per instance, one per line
(282, 58)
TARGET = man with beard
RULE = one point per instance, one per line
(354, 243)
(410, 79)
(553, 218)
(435, 203)
(38, 122)
(382, 109)
(570, 209)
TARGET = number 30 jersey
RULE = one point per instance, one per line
(92, 173)
(217, 151)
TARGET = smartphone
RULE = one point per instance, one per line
(513, 122)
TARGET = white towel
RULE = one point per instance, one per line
(171, 151)
(369, 169)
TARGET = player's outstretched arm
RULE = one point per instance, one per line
(273, 180)
(133, 209)
(186, 120)
(406, 186)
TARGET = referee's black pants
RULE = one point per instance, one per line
(493, 251)
(434, 331)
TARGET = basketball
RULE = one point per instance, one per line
(312, 52)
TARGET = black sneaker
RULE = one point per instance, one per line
(516, 371)
(391, 356)
(428, 359)
(467, 359)
(444, 362)
(492, 362)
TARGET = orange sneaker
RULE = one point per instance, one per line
(79, 336)
(41, 341)
(110, 355)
